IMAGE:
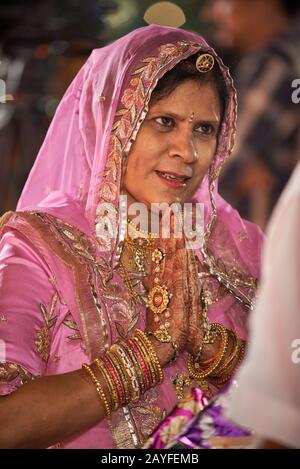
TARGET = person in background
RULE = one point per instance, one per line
(265, 35)
(267, 399)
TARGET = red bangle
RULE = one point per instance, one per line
(115, 376)
(142, 362)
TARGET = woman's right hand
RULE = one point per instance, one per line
(174, 275)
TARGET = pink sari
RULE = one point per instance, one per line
(73, 303)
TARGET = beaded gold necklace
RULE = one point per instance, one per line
(140, 244)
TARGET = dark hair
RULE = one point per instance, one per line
(186, 70)
(290, 7)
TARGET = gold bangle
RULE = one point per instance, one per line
(162, 335)
(229, 374)
(110, 383)
(208, 372)
(209, 338)
(130, 370)
(151, 351)
(118, 376)
(136, 365)
(225, 368)
(99, 389)
(149, 363)
(223, 351)
(234, 353)
(122, 375)
(149, 359)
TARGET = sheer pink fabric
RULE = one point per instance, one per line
(53, 245)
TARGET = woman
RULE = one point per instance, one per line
(129, 306)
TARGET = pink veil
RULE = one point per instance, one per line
(97, 121)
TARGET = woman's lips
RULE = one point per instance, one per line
(174, 183)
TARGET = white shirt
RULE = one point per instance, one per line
(267, 399)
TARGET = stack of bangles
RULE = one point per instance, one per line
(221, 366)
(125, 372)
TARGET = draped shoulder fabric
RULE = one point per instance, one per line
(62, 301)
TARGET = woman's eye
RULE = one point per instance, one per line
(206, 129)
(165, 121)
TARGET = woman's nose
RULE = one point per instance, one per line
(182, 146)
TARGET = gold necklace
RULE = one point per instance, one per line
(136, 298)
(138, 232)
(140, 246)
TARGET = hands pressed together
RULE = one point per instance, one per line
(178, 273)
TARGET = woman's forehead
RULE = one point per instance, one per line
(186, 96)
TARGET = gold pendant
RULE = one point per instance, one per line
(163, 335)
(180, 381)
(158, 299)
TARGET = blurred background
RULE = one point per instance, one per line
(44, 43)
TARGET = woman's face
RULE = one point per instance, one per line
(174, 146)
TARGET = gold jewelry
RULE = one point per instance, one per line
(205, 63)
(139, 251)
(139, 233)
(127, 370)
(158, 299)
(136, 365)
(120, 369)
(99, 389)
(136, 298)
(180, 381)
(139, 245)
(131, 372)
(231, 364)
(149, 363)
(110, 383)
(224, 378)
(159, 296)
(193, 367)
(151, 352)
(235, 351)
(162, 335)
(210, 333)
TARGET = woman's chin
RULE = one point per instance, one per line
(157, 199)
(166, 201)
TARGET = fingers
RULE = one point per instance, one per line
(167, 240)
(174, 275)
(194, 293)
(195, 317)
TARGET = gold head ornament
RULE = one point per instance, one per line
(205, 63)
